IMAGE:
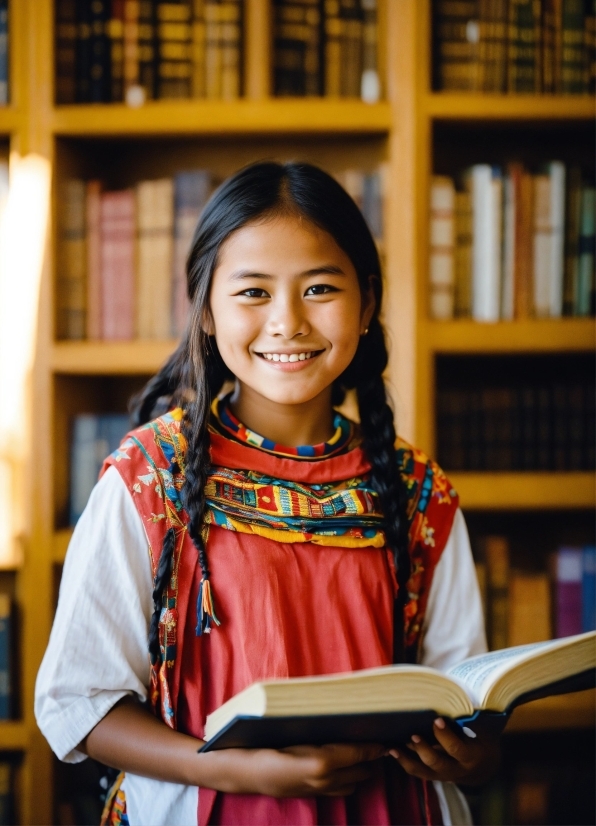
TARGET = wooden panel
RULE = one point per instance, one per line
(214, 117)
(447, 106)
(567, 711)
(533, 336)
(110, 358)
(515, 491)
(13, 735)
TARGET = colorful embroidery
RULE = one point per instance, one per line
(229, 424)
(114, 810)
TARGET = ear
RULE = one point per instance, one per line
(369, 303)
(207, 324)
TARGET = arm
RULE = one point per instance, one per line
(129, 737)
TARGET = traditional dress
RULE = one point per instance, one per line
(303, 585)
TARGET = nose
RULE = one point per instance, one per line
(287, 317)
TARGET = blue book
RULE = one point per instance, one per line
(94, 437)
(5, 675)
(589, 588)
(3, 52)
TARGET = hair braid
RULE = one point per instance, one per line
(378, 431)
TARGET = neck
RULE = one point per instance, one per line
(309, 423)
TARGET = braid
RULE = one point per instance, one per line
(162, 577)
(378, 431)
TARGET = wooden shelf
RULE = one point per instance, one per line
(110, 357)
(60, 542)
(518, 491)
(214, 117)
(447, 106)
(13, 735)
(567, 711)
(531, 336)
(10, 120)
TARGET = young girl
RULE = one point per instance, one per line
(261, 534)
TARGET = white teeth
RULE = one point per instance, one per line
(284, 357)
(275, 356)
(294, 357)
(302, 356)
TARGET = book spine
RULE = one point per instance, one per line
(147, 47)
(297, 69)
(463, 255)
(116, 35)
(4, 93)
(131, 48)
(93, 210)
(574, 69)
(457, 45)
(496, 551)
(590, 44)
(508, 259)
(7, 807)
(549, 46)
(370, 86)
(83, 463)
(585, 265)
(589, 588)
(486, 189)
(523, 279)
(529, 608)
(442, 238)
(65, 44)
(556, 171)
(118, 264)
(5, 658)
(568, 592)
(198, 49)
(231, 49)
(332, 48)
(154, 201)
(542, 244)
(71, 262)
(575, 425)
(350, 12)
(174, 49)
(572, 229)
(99, 52)
(524, 49)
(83, 51)
(213, 50)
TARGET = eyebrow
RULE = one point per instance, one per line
(326, 269)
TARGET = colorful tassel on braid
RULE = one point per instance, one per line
(206, 615)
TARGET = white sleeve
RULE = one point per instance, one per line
(97, 651)
(454, 624)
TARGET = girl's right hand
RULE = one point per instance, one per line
(298, 771)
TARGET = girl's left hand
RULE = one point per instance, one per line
(457, 759)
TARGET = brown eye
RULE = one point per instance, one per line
(254, 292)
(320, 289)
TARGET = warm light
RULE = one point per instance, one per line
(23, 227)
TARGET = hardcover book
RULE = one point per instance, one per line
(391, 703)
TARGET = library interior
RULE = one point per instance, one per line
(465, 132)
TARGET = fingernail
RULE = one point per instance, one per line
(439, 722)
(415, 738)
(468, 731)
(394, 753)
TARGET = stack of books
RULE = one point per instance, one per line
(525, 46)
(122, 254)
(326, 47)
(533, 426)
(126, 50)
(525, 607)
(506, 243)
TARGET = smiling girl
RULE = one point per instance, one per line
(261, 534)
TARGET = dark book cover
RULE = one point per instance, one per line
(174, 38)
(524, 47)
(99, 52)
(65, 45)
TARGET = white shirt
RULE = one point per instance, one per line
(97, 651)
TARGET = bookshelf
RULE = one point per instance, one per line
(71, 377)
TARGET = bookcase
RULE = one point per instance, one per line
(413, 130)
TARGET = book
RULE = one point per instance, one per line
(524, 47)
(93, 438)
(442, 244)
(6, 798)
(496, 555)
(549, 229)
(174, 49)
(116, 35)
(117, 231)
(65, 45)
(99, 89)
(370, 85)
(568, 577)
(572, 234)
(529, 608)
(231, 49)
(155, 220)
(133, 91)
(70, 285)
(191, 191)
(390, 703)
(4, 95)
(493, 44)
(589, 588)
(584, 304)
(93, 230)
(5, 658)
(485, 186)
(146, 51)
(457, 33)
(573, 76)
(298, 48)
(463, 255)
(332, 48)
(198, 35)
(351, 22)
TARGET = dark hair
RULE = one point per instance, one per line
(195, 372)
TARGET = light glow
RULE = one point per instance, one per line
(23, 228)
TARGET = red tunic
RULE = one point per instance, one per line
(286, 610)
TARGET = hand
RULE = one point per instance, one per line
(457, 759)
(298, 771)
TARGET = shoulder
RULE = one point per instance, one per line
(157, 445)
(426, 483)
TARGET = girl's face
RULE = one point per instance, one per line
(286, 309)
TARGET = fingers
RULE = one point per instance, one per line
(455, 747)
(338, 755)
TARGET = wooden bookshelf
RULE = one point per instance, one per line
(400, 131)
(569, 711)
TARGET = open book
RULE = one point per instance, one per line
(391, 703)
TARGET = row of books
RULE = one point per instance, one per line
(516, 46)
(326, 47)
(506, 243)
(3, 52)
(122, 254)
(137, 50)
(527, 606)
(530, 427)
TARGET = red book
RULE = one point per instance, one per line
(92, 216)
(568, 592)
(117, 225)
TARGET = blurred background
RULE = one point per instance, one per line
(465, 132)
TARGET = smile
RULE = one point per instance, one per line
(290, 357)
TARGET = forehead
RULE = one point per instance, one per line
(281, 245)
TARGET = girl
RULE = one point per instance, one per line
(261, 534)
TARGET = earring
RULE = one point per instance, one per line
(365, 332)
